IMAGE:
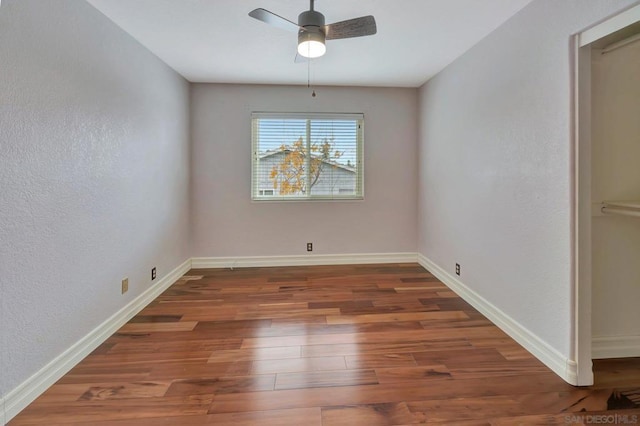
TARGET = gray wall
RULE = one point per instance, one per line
(226, 223)
(94, 171)
(495, 165)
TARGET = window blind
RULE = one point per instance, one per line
(298, 156)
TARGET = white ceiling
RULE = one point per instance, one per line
(216, 41)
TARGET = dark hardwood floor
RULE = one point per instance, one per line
(333, 345)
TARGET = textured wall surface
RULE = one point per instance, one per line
(227, 223)
(495, 172)
(615, 142)
(94, 159)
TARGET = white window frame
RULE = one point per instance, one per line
(255, 156)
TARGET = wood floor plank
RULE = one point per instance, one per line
(138, 327)
(410, 316)
(384, 347)
(455, 410)
(177, 346)
(429, 278)
(186, 370)
(219, 386)
(460, 357)
(147, 358)
(384, 344)
(281, 328)
(232, 328)
(256, 354)
(623, 372)
(490, 369)
(384, 414)
(412, 373)
(101, 392)
(299, 364)
(320, 379)
(380, 360)
(88, 412)
(302, 416)
(446, 294)
(388, 335)
(70, 392)
(422, 288)
(345, 306)
(85, 373)
(155, 318)
(278, 312)
(297, 340)
(222, 341)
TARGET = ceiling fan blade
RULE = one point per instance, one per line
(273, 19)
(357, 27)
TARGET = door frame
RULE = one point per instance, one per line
(581, 187)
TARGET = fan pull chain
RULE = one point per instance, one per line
(313, 93)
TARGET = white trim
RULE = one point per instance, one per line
(561, 365)
(615, 347)
(581, 213)
(610, 26)
(305, 260)
(17, 399)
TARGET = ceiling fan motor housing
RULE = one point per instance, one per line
(311, 18)
(311, 29)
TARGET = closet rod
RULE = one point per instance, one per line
(621, 43)
(624, 212)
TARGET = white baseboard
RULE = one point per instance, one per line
(615, 347)
(563, 367)
(305, 260)
(17, 399)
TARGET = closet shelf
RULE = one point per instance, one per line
(624, 208)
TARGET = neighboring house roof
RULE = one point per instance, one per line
(271, 153)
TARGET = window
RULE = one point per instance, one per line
(299, 156)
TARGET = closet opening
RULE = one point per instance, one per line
(607, 208)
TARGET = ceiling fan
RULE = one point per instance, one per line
(312, 31)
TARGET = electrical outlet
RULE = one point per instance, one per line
(125, 285)
(457, 269)
(309, 246)
(153, 273)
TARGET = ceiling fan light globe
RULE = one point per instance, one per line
(312, 49)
